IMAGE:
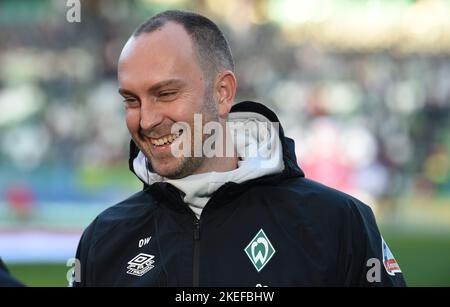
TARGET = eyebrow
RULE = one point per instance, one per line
(155, 87)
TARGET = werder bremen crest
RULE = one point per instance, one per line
(260, 250)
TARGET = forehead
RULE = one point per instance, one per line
(162, 54)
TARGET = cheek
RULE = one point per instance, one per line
(132, 118)
(188, 106)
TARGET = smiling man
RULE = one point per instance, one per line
(164, 80)
(248, 217)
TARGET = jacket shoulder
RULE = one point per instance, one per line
(129, 210)
(312, 195)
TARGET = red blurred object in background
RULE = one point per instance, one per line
(21, 200)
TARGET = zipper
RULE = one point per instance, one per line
(196, 263)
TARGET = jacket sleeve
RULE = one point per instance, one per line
(369, 261)
(6, 280)
(83, 268)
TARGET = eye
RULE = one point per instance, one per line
(130, 102)
(167, 94)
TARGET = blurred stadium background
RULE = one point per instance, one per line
(363, 86)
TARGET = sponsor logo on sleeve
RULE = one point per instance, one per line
(390, 264)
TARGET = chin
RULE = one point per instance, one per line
(176, 168)
(169, 170)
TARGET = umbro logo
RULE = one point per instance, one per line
(140, 264)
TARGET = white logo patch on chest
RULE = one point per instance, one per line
(140, 264)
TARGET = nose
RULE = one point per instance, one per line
(150, 116)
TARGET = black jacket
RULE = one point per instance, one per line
(278, 230)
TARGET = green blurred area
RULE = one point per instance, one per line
(423, 258)
(40, 274)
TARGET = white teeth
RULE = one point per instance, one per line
(164, 140)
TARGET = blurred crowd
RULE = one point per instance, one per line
(373, 122)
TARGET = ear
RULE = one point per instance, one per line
(225, 90)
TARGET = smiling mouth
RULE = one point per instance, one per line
(166, 140)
